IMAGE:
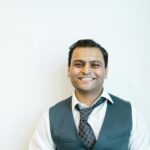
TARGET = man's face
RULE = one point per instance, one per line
(87, 69)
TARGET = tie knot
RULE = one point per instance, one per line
(84, 113)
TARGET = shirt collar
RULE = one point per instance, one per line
(104, 94)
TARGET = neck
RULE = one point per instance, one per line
(88, 98)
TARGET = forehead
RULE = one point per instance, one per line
(87, 54)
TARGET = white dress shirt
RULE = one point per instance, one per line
(139, 139)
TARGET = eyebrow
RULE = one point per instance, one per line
(93, 61)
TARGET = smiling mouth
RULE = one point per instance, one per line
(86, 79)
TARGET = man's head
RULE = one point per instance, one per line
(87, 43)
(87, 66)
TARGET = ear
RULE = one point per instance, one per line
(106, 72)
(68, 72)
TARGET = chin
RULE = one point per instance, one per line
(85, 90)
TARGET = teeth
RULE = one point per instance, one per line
(86, 79)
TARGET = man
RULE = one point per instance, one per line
(79, 122)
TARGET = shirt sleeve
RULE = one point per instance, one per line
(41, 139)
(140, 134)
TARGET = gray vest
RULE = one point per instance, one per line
(114, 134)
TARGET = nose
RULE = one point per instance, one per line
(86, 69)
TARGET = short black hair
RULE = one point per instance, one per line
(87, 43)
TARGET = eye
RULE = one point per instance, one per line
(95, 65)
(79, 65)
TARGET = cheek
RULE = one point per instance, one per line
(73, 72)
(101, 74)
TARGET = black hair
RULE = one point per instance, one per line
(87, 43)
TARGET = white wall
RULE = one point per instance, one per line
(34, 40)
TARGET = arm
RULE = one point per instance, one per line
(41, 139)
(140, 134)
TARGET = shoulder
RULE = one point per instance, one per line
(122, 105)
(118, 100)
(61, 105)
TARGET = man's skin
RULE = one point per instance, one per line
(87, 73)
